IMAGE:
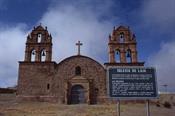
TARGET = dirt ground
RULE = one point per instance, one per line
(8, 107)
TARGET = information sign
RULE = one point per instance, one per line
(132, 83)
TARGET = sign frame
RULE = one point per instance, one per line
(131, 98)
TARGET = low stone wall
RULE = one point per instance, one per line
(7, 90)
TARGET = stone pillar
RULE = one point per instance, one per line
(134, 57)
(111, 54)
(50, 55)
(37, 57)
(65, 92)
(47, 56)
(122, 57)
(27, 56)
(112, 57)
(87, 96)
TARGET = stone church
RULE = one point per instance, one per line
(76, 79)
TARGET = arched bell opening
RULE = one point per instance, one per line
(121, 37)
(117, 56)
(43, 55)
(32, 55)
(128, 56)
(39, 37)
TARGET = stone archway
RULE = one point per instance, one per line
(77, 90)
(77, 95)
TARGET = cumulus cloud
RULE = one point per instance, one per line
(11, 49)
(79, 21)
(159, 17)
(67, 24)
(90, 22)
(165, 65)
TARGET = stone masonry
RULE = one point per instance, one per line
(76, 79)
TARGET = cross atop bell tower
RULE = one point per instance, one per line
(79, 44)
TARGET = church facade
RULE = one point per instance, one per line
(76, 79)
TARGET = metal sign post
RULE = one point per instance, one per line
(118, 108)
(147, 108)
(132, 83)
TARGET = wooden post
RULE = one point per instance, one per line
(118, 108)
(147, 108)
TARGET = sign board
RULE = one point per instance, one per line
(131, 83)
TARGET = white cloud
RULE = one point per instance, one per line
(163, 60)
(83, 21)
(69, 24)
(159, 17)
(11, 49)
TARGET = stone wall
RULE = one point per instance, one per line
(90, 70)
(47, 81)
(34, 78)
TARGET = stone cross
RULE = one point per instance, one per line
(79, 44)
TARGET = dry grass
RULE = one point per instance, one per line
(9, 107)
(48, 109)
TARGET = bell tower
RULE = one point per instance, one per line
(38, 45)
(122, 47)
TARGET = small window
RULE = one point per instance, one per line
(39, 37)
(48, 86)
(96, 90)
(77, 70)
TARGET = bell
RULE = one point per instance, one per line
(33, 53)
(43, 54)
(117, 52)
(128, 55)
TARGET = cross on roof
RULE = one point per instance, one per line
(79, 44)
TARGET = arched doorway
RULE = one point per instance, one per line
(77, 95)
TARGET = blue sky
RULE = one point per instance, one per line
(90, 21)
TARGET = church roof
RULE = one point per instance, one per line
(80, 56)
